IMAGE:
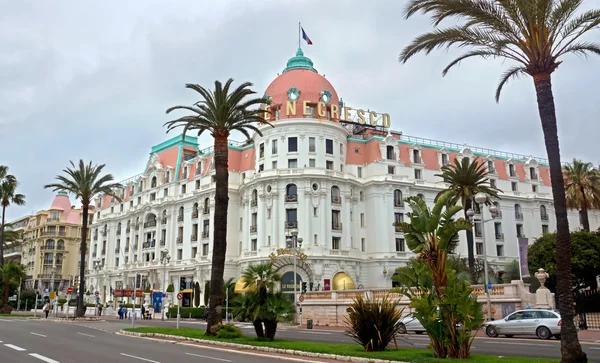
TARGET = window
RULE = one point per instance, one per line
(335, 243)
(292, 144)
(499, 250)
(254, 244)
(361, 196)
(274, 147)
(421, 196)
(291, 193)
(261, 150)
(520, 230)
(545, 229)
(417, 157)
(445, 160)
(205, 249)
(400, 247)
(329, 146)
(498, 230)
(311, 163)
(342, 168)
(362, 245)
(336, 197)
(398, 218)
(241, 223)
(315, 212)
(261, 167)
(479, 248)
(274, 165)
(493, 183)
(359, 172)
(336, 225)
(329, 165)
(292, 163)
(311, 145)
(179, 254)
(389, 153)
(534, 188)
(490, 167)
(418, 174)
(391, 170)
(341, 149)
(533, 174)
(167, 178)
(185, 172)
(512, 171)
(315, 239)
(543, 212)
(183, 189)
(513, 186)
(291, 215)
(362, 219)
(518, 212)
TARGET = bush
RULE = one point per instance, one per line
(194, 313)
(228, 331)
(372, 322)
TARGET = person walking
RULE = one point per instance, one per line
(143, 312)
(99, 309)
(46, 308)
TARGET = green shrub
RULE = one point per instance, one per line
(193, 313)
(372, 322)
(228, 331)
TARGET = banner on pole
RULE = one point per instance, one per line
(523, 251)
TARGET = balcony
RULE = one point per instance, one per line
(135, 247)
(52, 219)
(49, 276)
(398, 229)
(95, 238)
(48, 262)
(336, 226)
(103, 251)
(521, 235)
(136, 226)
(418, 160)
(291, 225)
(162, 242)
(180, 218)
(117, 249)
(253, 228)
(104, 233)
(391, 156)
(291, 198)
(118, 232)
(519, 216)
(478, 233)
(49, 233)
(150, 224)
(491, 170)
(163, 221)
(179, 239)
(93, 254)
(253, 203)
(498, 215)
(499, 236)
(206, 210)
(128, 229)
(545, 217)
(126, 248)
(149, 244)
(398, 203)
(205, 234)
(534, 176)
(336, 199)
(194, 237)
(195, 214)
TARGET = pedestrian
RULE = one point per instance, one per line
(143, 312)
(46, 308)
(150, 312)
(99, 310)
(120, 312)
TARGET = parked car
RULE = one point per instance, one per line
(541, 322)
(410, 323)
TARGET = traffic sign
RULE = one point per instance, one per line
(52, 295)
(46, 290)
(69, 290)
(179, 296)
(97, 293)
(301, 298)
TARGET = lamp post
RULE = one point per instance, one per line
(52, 288)
(480, 199)
(164, 261)
(294, 243)
(97, 266)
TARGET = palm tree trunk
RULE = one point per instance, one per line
(215, 304)
(470, 252)
(585, 220)
(570, 348)
(83, 250)
(2, 236)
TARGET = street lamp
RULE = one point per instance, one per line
(480, 199)
(52, 289)
(294, 243)
(164, 261)
(97, 266)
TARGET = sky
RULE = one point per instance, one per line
(92, 80)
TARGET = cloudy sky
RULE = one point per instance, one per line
(91, 80)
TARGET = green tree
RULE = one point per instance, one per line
(8, 197)
(10, 272)
(206, 293)
(196, 294)
(582, 186)
(585, 258)
(534, 35)
(466, 179)
(220, 112)
(85, 182)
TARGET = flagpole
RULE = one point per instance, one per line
(299, 27)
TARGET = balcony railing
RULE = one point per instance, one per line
(534, 176)
(520, 235)
(179, 239)
(117, 249)
(136, 226)
(52, 219)
(162, 242)
(104, 251)
(519, 216)
(149, 244)
(150, 224)
(291, 198)
(253, 228)
(48, 262)
(336, 226)
(545, 217)
(104, 233)
(391, 156)
(118, 232)
(95, 238)
(205, 234)
(180, 218)
(195, 214)
(418, 160)
(336, 199)
(127, 249)
(253, 203)
(491, 170)
(398, 203)
(128, 229)
(291, 225)
(49, 233)
(500, 236)
(206, 211)
(49, 276)
(194, 237)
(478, 233)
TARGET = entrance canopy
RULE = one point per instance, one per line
(342, 281)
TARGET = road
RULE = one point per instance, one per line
(519, 347)
(36, 341)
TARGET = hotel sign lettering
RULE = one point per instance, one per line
(346, 113)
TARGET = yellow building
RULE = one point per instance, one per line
(12, 250)
(50, 248)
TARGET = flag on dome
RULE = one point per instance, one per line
(305, 37)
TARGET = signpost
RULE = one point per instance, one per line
(70, 290)
(179, 297)
(301, 300)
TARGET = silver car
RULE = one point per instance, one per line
(541, 322)
(410, 323)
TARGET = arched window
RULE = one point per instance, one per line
(60, 245)
(291, 193)
(398, 198)
(390, 153)
(543, 212)
(153, 182)
(421, 196)
(335, 195)
(180, 215)
(151, 217)
(105, 229)
(518, 212)
(168, 177)
(49, 244)
(361, 196)
(119, 226)
(254, 200)
(128, 224)
(48, 258)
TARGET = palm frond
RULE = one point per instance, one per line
(513, 72)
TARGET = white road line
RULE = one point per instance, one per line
(527, 344)
(87, 335)
(19, 349)
(41, 357)
(313, 332)
(595, 348)
(207, 357)
(40, 335)
(140, 358)
(9, 320)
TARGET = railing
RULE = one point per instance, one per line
(205, 234)
(117, 249)
(418, 160)
(398, 228)
(253, 228)
(162, 242)
(478, 233)
(491, 170)
(179, 239)
(336, 226)
(534, 177)
(290, 225)
(194, 237)
(291, 198)
(500, 236)
(545, 217)
(253, 202)
(163, 221)
(391, 156)
(52, 219)
(206, 211)
(180, 218)
(149, 244)
(104, 233)
(518, 216)
(48, 262)
(150, 224)
(136, 226)
(128, 229)
(104, 251)
(118, 232)
(336, 199)
(398, 203)
(49, 276)
(195, 214)
(49, 233)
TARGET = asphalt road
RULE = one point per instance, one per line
(36, 341)
(520, 347)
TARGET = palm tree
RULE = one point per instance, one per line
(10, 271)
(8, 196)
(85, 182)
(220, 112)
(534, 34)
(466, 179)
(582, 186)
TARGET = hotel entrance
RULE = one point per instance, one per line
(287, 284)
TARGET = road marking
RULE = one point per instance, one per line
(527, 344)
(19, 349)
(287, 358)
(207, 357)
(140, 358)
(313, 332)
(595, 348)
(87, 335)
(40, 335)
(9, 320)
(45, 359)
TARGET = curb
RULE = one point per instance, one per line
(262, 349)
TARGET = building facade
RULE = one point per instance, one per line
(50, 246)
(329, 175)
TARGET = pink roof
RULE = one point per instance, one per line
(62, 203)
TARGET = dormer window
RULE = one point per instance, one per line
(199, 168)
(533, 174)
(293, 93)
(325, 96)
(153, 182)
(390, 154)
(168, 177)
(417, 157)
(512, 171)
(185, 172)
(445, 160)
(490, 167)
(261, 150)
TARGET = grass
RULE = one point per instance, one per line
(402, 354)
(16, 315)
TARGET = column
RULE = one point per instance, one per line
(276, 222)
(325, 220)
(346, 224)
(261, 234)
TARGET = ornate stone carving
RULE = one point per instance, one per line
(542, 275)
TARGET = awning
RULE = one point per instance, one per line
(342, 281)
(186, 291)
(239, 287)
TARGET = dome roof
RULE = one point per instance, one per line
(300, 75)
